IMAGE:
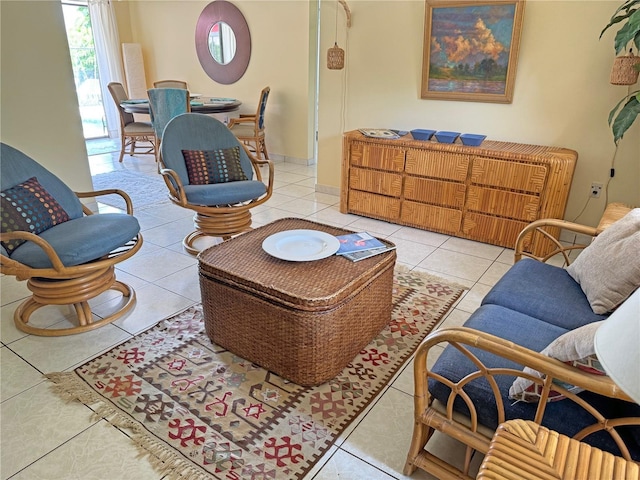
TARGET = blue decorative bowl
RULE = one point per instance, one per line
(447, 137)
(420, 134)
(472, 139)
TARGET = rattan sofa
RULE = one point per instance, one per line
(465, 394)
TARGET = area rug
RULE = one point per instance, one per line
(145, 189)
(199, 411)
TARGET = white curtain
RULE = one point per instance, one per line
(107, 43)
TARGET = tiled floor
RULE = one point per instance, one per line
(44, 437)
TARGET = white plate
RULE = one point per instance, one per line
(301, 245)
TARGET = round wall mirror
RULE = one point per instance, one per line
(223, 42)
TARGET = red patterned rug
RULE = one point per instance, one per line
(199, 411)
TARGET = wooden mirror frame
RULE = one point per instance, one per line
(223, 11)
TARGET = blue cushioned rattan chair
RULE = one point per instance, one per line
(64, 252)
(221, 209)
(164, 104)
(249, 128)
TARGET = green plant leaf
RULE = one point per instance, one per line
(627, 7)
(625, 118)
(628, 32)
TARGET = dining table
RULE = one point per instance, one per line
(199, 104)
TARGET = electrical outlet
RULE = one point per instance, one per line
(596, 189)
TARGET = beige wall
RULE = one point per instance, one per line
(562, 91)
(38, 105)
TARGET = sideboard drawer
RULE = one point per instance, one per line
(440, 219)
(375, 181)
(429, 163)
(503, 203)
(374, 205)
(379, 157)
(507, 174)
(426, 190)
(499, 231)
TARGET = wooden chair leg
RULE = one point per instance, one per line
(123, 145)
(263, 147)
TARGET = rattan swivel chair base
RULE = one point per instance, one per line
(67, 292)
(224, 224)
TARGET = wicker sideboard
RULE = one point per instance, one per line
(487, 193)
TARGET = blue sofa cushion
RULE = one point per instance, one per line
(563, 416)
(76, 241)
(532, 287)
(225, 193)
(28, 207)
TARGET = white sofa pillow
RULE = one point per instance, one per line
(575, 348)
(608, 270)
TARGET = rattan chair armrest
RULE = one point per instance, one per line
(112, 191)
(614, 212)
(21, 271)
(242, 119)
(256, 163)
(24, 272)
(174, 184)
(551, 367)
(541, 227)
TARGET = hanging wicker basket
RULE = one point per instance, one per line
(623, 71)
(335, 58)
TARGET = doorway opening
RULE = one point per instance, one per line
(85, 68)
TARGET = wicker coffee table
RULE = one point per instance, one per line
(304, 321)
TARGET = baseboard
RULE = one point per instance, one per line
(327, 189)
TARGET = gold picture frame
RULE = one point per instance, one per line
(470, 50)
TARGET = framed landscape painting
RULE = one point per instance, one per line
(471, 49)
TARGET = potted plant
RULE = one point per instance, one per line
(627, 110)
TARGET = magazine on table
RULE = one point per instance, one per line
(356, 242)
(362, 254)
(379, 133)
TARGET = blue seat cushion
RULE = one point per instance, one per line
(516, 290)
(563, 416)
(225, 193)
(80, 240)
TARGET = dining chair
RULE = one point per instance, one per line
(164, 104)
(249, 128)
(170, 84)
(208, 170)
(131, 131)
(65, 252)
